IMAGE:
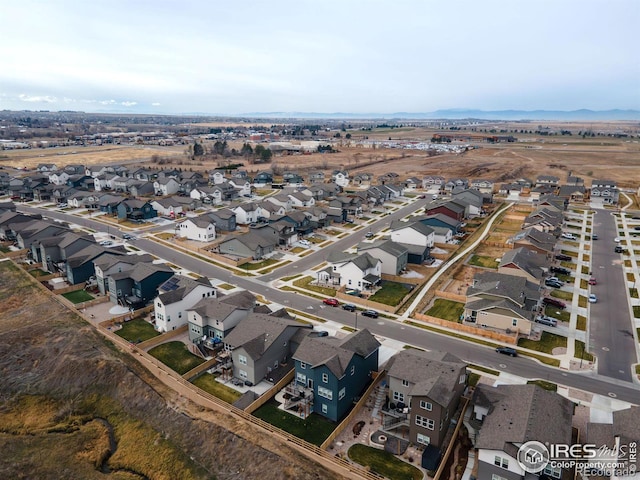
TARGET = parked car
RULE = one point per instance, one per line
(304, 243)
(128, 236)
(370, 235)
(617, 239)
(560, 270)
(63, 205)
(618, 249)
(349, 306)
(331, 301)
(106, 243)
(554, 302)
(370, 313)
(507, 351)
(555, 279)
(563, 257)
(568, 236)
(594, 237)
(544, 320)
(592, 281)
(553, 283)
(637, 227)
(593, 298)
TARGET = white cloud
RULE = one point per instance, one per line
(128, 104)
(155, 104)
(37, 98)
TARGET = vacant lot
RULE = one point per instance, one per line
(73, 406)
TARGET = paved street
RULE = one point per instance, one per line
(610, 330)
(471, 352)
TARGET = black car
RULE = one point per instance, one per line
(370, 313)
(563, 257)
(507, 351)
(561, 270)
(349, 306)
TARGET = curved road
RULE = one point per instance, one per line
(470, 352)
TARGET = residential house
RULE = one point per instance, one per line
(136, 210)
(214, 318)
(261, 343)
(340, 178)
(111, 263)
(547, 180)
(247, 213)
(175, 296)
(535, 240)
(242, 188)
(572, 193)
(168, 207)
(299, 199)
(217, 177)
(166, 186)
(502, 302)
(574, 181)
(456, 183)
(424, 392)
(263, 178)
(362, 179)
(80, 265)
(412, 183)
(201, 228)
(281, 200)
(473, 201)
(412, 233)
(607, 190)
(545, 219)
(332, 373)
(224, 218)
(54, 251)
(140, 188)
(269, 209)
(527, 413)
(83, 182)
(27, 233)
(297, 218)
(255, 244)
(58, 177)
(46, 167)
(137, 286)
(316, 177)
(11, 222)
(388, 178)
(441, 220)
(287, 234)
(433, 182)
(522, 262)
(482, 185)
(354, 271)
(450, 209)
(394, 256)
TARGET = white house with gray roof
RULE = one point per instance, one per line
(247, 213)
(394, 256)
(523, 262)
(214, 318)
(413, 233)
(175, 297)
(507, 416)
(354, 271)
(201, 228)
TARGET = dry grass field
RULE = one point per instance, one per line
(72, 406)
(598, 157)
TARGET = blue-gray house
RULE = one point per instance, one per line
(136, 287)
(332, 372)
(133, 209)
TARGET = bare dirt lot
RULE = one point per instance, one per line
(73, 406)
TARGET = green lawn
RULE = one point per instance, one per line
(562, 294)
(546, 344)
(305, 283)
(446, 309)
(208, 383)
(474, 378)
(483, 261)
(581, 352)
(78, 296)
(38, 273)
(391, 293)
(384, 463)
(314, 429)
(226, 286)
(552, 387)
(490, 371)
(137, 330)
(258, 265)
(176, 356)
(581, 323)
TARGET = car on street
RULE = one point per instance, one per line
(593, 298)
(563, 257)
(507, 351)
(304, 243)
(370, 313)
(331, 301)
(106, 243)
(370, 235)
(593, 281)
(554, 302)
(560, 270)
(618, 249)
(544, 320)
(349, 306)
(128, 236)
(637, 227)
(617, 239)
(594, 237)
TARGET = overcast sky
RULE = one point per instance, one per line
(323, 56)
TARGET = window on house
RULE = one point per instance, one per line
(398, 396)
(502, 462)
(425, 422)
(353, 369)
(242, 374)
(426, 405)
(303, 365)
(325, 378)
(463, 378)
(325, 392)
(423, 439)
(514, 322)
(324, 408)
(301, 378)
(497, 477)
(341, 393)
(179, 314)
(242, 360)
(405, 383)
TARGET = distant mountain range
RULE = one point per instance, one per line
(461, 113)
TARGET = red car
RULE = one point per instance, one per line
(592, 281)
(331, 301)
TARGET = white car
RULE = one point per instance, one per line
(568, 236)
(106, 243)
(304, 243)
(593, 298)
(617, 239)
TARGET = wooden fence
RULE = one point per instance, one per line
(459, 327)
(16, 253)
(452, 443)
(356, 409)
(152, 342)
(70, 288)
(451, 296)
(194, 372)
(399, 279)
(269, 394)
